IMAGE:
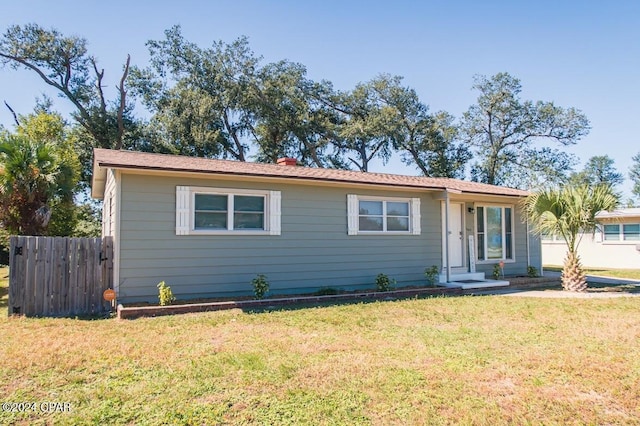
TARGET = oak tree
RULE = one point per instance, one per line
(507, 134)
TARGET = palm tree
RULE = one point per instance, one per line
(569, 212)
(31, 177)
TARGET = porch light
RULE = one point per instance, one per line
(471, 210)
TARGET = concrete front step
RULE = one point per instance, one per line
(471, 284)
(477, 276)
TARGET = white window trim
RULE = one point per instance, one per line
(353, 215)
(185, 214)
(504, 239)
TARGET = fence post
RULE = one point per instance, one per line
(107, 267)
(16, 275)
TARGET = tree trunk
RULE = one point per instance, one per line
(573, 277)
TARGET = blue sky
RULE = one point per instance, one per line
(583, 54)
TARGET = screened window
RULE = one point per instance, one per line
(229, 211)
(631, 232)
(494, 232)
(211, 211)
(611, 232)
(382, 215)
(248, 212)
(202, 210)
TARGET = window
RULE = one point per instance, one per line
(229, 212)
(611, 232)
(376, 215)
(624, 232)
(631, 232)
(201, 210)
(494, 232)
(383, 216)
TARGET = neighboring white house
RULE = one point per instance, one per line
(615, 244)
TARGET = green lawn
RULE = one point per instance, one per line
(606, 272)
(469, 360)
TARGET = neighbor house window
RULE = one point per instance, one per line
(202, 210)
(631, 232)
(494, 232)
(611, 232)
(381, 215)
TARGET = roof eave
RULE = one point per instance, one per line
(98, 180)
(102, 166)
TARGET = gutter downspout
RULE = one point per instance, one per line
(528, 246)
(447, 232)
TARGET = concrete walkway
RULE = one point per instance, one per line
(598, 279)
(561, 294)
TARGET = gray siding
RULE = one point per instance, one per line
(519, 267)
(536, 252)
(109, 205)
(312, 251)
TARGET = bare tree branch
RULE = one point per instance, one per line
(99, 76)
(63, 88)
(121, 107)
(239, 154)
(15, 117)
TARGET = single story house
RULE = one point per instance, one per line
(615, 244)
(208, 227)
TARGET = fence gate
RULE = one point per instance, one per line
(59, 276)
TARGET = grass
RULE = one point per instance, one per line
(606, 272)
(469, 360)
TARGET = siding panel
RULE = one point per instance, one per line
(312, 251)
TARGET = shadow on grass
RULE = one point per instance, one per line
(281, 304)
(555, 286)
(86, 317)
(613, 288)
(4, 297)
(347, 302)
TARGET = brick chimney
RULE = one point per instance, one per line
(285, 161)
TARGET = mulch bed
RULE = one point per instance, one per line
(206, 305)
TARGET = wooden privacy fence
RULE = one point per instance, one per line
(57, 276)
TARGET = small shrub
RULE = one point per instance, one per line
(165, 295)
(532, 272)
(260, 286)
(384, 283)
(326, 291)
(432, 275)
(496, 271)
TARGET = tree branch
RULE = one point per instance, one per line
(15, 117)
(362, 168)
(99, 76)
(123, 104)
(240, 154)
(83, 112)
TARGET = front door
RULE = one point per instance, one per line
(456, 235)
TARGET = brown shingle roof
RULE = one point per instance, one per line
(106, 158)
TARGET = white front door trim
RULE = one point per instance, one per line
(456, 235)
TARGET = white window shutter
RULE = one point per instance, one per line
(182, 210)
(275, 212)
(415, 216)
(352, 214)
